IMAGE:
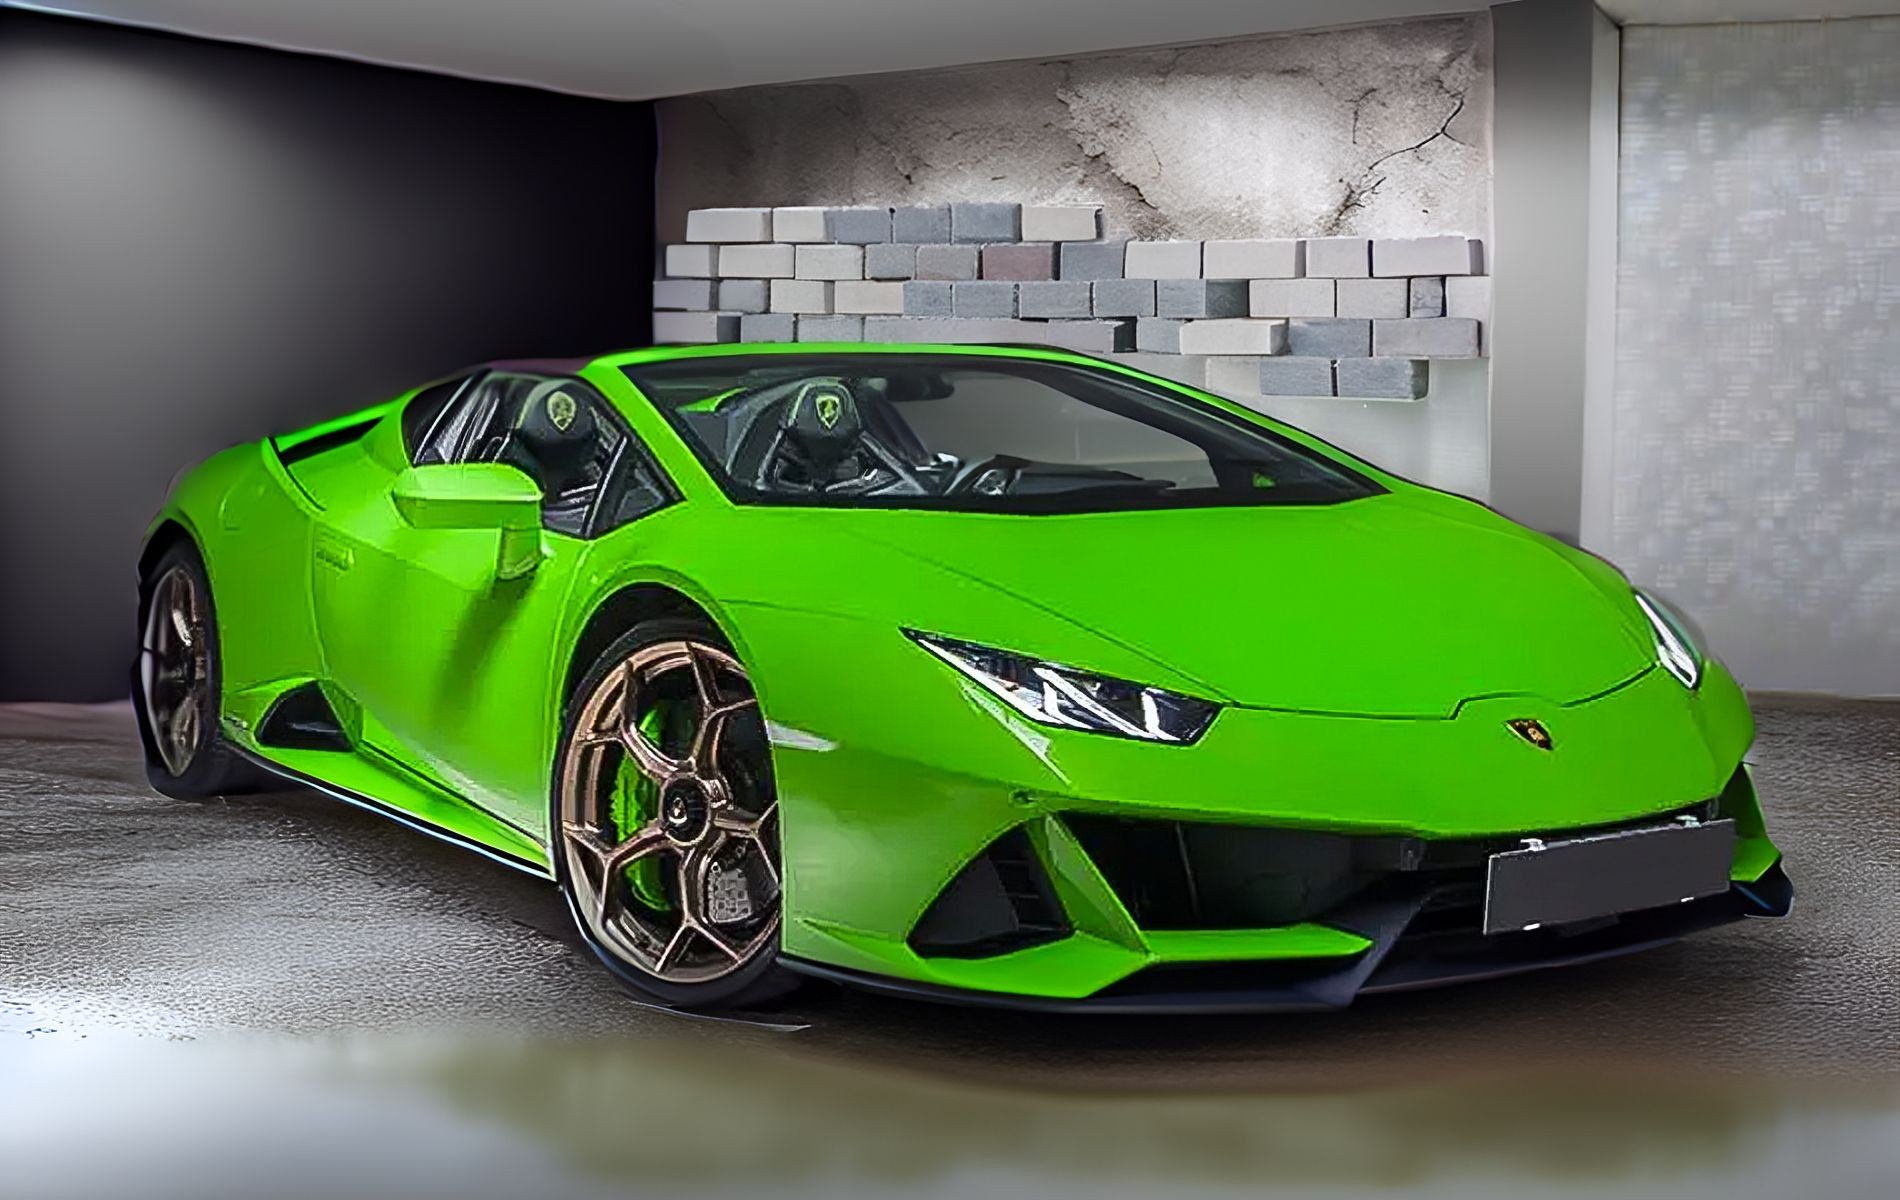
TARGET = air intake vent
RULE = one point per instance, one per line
(1001, 901)
(302, 719)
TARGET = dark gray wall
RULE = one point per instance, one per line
(202, 244)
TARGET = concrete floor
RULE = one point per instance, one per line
(285, 996)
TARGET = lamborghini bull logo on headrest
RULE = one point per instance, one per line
(1532, 731)
(561, 410)
(830, 407)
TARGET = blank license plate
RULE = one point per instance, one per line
(1610, 873)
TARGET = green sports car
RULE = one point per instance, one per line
(991, 674)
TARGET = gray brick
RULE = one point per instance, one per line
(1290, 298)
(831, 329)
(1272, 258)
(828, 262)
(1382, 378)
(983, 298)
(769, 260)
(890, 260)
(1329, 338)
(683, 293)
(921, 224)
(1062, 222)
(948, 330)
(1019, 260)
(729, 225)
(1054, 298)
(768, 327)
(1162, 260)
(1441, 337)
(927, 298)
(743, 295)
(1090, 260)
(1086, 337)
(801, 295)
(692, 262)
(1233, 374)
(946, 262)
(867, 296)
(1180, 368)
(1339, 257)
(805, 224)
(858, 226)
(985, 222)
(1450, 254)
(1287, 376)
(1427, 296)
(1158, 335)
(1201, 298)
(1372, 298)
(1238, 336)
(1124, 297)
(695, 327)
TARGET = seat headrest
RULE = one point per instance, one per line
(556, 432)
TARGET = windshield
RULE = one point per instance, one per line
(964, 432)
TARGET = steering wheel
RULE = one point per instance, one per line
(993, 476)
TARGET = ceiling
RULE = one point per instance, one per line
(637, 49)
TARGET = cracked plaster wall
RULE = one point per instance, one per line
(1374, 131)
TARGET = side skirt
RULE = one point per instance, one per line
(382, 808)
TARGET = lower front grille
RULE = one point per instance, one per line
(1001, 901)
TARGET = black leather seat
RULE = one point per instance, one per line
(556, 441)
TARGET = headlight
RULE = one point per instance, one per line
(1675, 648)
(1058, 695)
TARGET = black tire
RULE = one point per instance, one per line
(756, 981)
(213, 767)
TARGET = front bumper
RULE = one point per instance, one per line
(1407, 953)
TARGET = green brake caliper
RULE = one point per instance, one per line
(636, 801)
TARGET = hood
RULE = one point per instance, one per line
(1395, 605)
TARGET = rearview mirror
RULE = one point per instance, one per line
(477, 496)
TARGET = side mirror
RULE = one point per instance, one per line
(477, 496)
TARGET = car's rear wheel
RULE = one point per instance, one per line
(665, 821)
(176, 683)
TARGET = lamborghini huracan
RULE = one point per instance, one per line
(998, 675)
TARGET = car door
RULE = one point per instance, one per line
(452, 662)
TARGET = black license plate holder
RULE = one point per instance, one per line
(1576, 879)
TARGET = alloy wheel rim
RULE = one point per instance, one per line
(175, 669)
(682, 882)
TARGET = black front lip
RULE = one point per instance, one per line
(1393, 964)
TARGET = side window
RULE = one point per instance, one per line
(429, 421)
(558, 431)
(635, 489)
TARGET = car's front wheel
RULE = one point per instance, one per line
(665, 821)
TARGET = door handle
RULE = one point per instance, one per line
(334, 552)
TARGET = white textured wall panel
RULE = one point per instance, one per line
(1756, 438)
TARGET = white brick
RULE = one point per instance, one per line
(867, 296)
(742, 295)
(1162, 260)
(798, 225)
(1365, 298)
(1237, 335)
(1468, 296)
(1451, 254)
(695, 327)
(1274, 258)
(1234, 375)
(1061, 222)
(769, 261)
(692, 262)
(1339, 257)
(683, 293)
(801, 296)
(729, 225)
(1290, 298)
(828, 262)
